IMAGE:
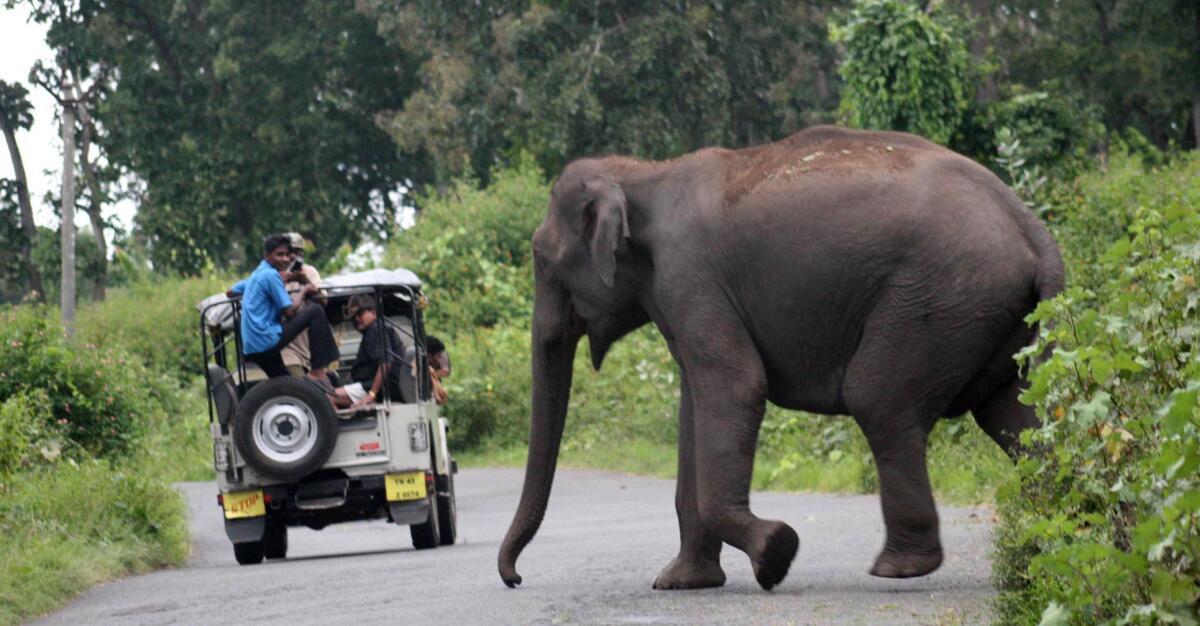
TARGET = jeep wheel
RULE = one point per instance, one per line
(426, 535)
(447, 511)
(285, 428)
(249, 553)
(275, 539)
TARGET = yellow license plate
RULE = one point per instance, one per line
(244, 504)
(406, 486)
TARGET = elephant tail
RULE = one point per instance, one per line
(1050, 278)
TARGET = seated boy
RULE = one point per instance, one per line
(265, 303)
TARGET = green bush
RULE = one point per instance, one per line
(155, 320)
(634, 398)
(99, 397)
(1057, 130)
(69, 526)
(489, 390)
(1094, 211)
(471, 248)
(25, 438)
(903, 69)
(1104, 526)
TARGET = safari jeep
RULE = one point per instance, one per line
(285, 457)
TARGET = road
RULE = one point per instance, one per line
(604, 539)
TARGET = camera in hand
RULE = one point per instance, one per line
(296, 265)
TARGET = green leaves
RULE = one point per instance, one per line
(903, 69)
(564, 80)
(241, 120)
(471, 247)
(1119, 396)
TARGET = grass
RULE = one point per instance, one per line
(965, 466)
(68, 526)
(637, 457)
(179, 446)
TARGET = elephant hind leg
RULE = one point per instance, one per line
(897, 387)
(912, 546)
(1003, 417)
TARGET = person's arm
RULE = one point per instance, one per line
(292, 307)
(314, 279)
(376, 386)
(237, 289)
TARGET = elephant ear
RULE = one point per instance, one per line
(606, 216)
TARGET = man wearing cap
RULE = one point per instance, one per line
(265, 302)
(376, 368)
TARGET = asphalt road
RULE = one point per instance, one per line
(604, 539)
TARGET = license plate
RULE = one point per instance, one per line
(406, 486)
(244, 504)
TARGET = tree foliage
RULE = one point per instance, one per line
(17, 231)
(562, 80)
(242, 119)
(1135, 59)
(472, 249)
(903, 69)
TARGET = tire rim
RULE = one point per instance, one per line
(285, 430)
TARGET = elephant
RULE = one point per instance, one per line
(842, 272)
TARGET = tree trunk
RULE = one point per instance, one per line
(981, 10)
(1196, 118)
(96, 206)
(67, 302)
(28, 229)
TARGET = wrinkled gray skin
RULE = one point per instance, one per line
(873, 274)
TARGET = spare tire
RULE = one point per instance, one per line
(285, 428)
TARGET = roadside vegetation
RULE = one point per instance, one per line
(1104, 526)
(93, 431)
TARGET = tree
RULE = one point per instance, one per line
(65, 83)
(16, 113)
(241, 119)
(96, 193)
(903, 69)
(563, 80)
(1136, 59)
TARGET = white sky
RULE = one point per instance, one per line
(22, 42)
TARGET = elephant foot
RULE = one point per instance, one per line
(690, 574)
(772, 561)
(891, 564)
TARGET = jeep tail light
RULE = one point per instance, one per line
(221, 500)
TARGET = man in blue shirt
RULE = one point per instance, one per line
(265, 301)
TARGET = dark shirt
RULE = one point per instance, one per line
(371, 354)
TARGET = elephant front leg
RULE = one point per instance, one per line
(698, 564)
(729, 389)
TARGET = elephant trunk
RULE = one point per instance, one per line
(555, 337)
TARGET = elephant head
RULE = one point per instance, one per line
(586, 284)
